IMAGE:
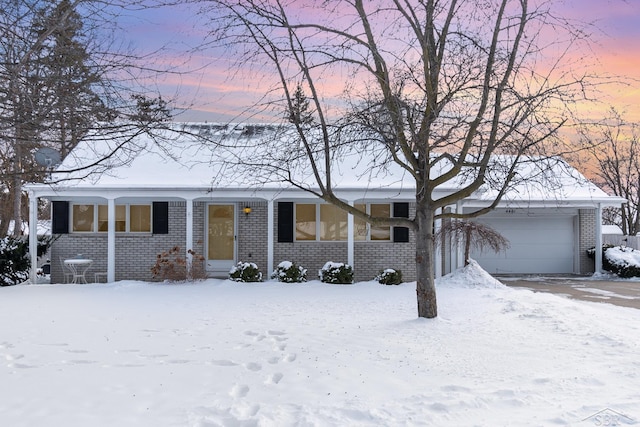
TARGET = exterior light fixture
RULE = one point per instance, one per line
(246, 210)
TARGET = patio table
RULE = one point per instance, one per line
(78, 267)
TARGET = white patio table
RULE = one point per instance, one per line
(78, 267)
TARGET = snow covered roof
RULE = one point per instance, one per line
(178, 159)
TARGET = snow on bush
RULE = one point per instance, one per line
(289, 272)
(623, 261)
(245, 272)
(389, 276)
(336, 273)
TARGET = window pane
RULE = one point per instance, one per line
(83, 218)
(381, 232)
(140, 218)
(103, 218)
(305, 222)
(360, 225)
(333, 223)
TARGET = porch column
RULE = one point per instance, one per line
(33, 236)
(459, 253)
(350, 241)
(598, 266)
(189, 234)
(270, 235)
(111, 240)
(438, 247)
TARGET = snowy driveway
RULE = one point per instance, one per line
(624, 293)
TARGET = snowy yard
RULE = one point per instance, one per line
(218, 353)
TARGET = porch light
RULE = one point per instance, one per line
(246, 210)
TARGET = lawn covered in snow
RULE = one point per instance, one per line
(220, 353)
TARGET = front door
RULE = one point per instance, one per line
(221, 239)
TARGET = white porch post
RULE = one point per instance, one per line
(189, 234)
(270, 235)
(459, 253)
(111, 240)
(33, 236)
(598, 266)
(438, 248)
(350, 241)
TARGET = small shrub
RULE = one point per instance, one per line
(620, 260)
(245, 272)
(389, 276)
(172, 266)
(336, 273)
(289, 272)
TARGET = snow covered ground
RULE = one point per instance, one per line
(219, 353)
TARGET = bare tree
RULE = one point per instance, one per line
(471, 234)
(613, 157)
(61, 80)
(457, 93)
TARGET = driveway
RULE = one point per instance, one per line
(624, 293)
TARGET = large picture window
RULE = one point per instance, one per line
(95, 218)
(326, 222)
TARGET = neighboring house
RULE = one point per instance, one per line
(151, 197)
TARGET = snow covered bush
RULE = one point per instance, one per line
(289, 272)
(389, 276)
(245, 272)
(337, 273)
(623, 261)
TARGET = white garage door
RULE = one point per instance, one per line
(537, 245)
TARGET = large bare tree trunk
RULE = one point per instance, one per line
(425, 263)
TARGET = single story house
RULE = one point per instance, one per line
(147, 197)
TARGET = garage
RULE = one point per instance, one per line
(538, 245)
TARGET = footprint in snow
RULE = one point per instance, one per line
(252, 366)
(239, 390)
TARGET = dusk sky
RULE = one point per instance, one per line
(217, 97)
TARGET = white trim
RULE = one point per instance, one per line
(33, 236)
(189, 235)
(270, 235)
(598, 250)
(111, 240)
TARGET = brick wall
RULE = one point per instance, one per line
(252, 235)
(136, 253)
(369, 257)
(587, 239)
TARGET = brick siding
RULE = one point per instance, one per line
(587, 239)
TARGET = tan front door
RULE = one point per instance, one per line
(221, 238)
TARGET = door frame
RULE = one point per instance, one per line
(223, 266)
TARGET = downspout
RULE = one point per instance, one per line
(598, 250)
(33, 236)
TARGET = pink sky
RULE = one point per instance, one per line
(214, 96)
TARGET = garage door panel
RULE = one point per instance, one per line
(537, 245)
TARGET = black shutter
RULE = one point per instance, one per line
(285, 222)
(401, 234)
(160, 217)
(59, 217)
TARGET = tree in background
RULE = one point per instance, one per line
(60, 80)
(612, 152)
(458, 94)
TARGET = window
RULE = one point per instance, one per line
(305, 222)
(95, 218)
(364, 231)
(326, 222)
(333, 223)
(83, 220)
